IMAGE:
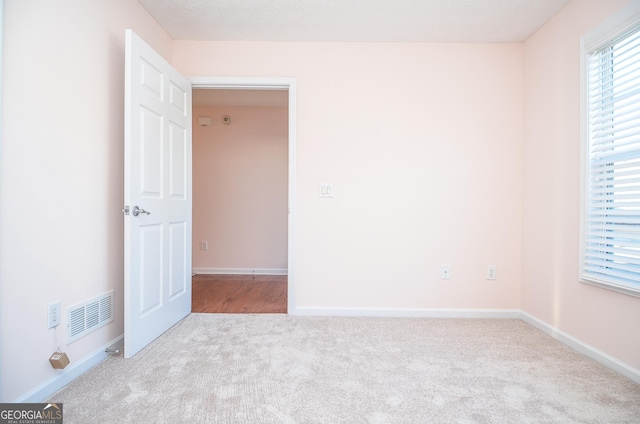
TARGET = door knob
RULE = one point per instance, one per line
(137, 211)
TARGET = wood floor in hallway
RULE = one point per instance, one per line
(239, 294)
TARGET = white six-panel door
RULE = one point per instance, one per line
(157, 280)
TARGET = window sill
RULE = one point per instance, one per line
(629, 291)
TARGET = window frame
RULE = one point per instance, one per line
(621, 23)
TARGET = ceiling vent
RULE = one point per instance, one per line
(85, 317)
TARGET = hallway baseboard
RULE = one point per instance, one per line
(241, 271)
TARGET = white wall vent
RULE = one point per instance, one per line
(85, 317)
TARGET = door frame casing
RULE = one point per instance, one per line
(271, 83)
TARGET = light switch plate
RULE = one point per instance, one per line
(326, 190)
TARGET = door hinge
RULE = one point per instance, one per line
(125, 210)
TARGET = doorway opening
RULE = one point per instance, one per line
(243, 180)
(239, 294)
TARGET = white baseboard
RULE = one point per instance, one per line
(241, 271)
(407, 312)
(66, 376)
(587, 350)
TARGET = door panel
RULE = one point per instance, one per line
(150, 159)
(180, 277)
(151, 275)
(157, 181)
(178, 162)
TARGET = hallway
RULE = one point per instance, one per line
(239, 294)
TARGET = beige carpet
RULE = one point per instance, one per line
(284, 369)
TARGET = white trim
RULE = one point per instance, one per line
(583, 348)
(73, 371)
(285, 83)
(241, 271)
(584, 154)
(406, 312)
(629, 291)
(243, 83)
(616, 25)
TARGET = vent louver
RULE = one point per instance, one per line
(85, 317)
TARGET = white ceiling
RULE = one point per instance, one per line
(449, 21)
(252, 98)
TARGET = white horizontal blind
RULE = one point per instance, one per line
(612, 239)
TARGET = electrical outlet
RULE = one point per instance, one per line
(491, 272)
(53, 314)
(445, 272)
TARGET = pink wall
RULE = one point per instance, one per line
(240, 188)
(423, 143)
(551, 291)
(61, 174)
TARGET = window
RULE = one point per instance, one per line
(610, 221)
